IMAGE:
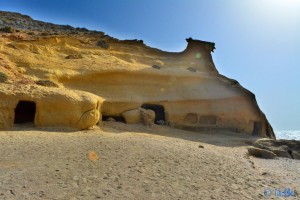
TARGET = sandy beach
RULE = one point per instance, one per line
(120, 161)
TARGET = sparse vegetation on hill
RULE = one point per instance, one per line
(12, 22)
(134, 41)
(45, 33)
(75, 56)
(7, 29)
(3, 77)
(103, 44)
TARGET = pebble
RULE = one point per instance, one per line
(75, 178)
(75, 185)
(84, 180)
(234, 186)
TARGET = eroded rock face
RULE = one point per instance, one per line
(184, 88)
(282, 148)
(47, 107)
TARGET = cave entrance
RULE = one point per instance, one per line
(113, 118)
(159, 112)
(257, 128)
(25, 112)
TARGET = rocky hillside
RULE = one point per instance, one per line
(20, 22)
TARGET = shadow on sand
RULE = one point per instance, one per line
(219, 138)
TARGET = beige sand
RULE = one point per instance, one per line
(119, 161)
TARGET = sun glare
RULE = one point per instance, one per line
(283, 13)
(283, 4)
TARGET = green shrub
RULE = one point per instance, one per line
(46, 83)
(7, 29)
(103, 44)
(31, 33)
(45, 33)
(82, 29)
(73, 32)
(134, 41)
(3, 77)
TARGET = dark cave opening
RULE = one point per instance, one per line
(25, 112)
(109, 118)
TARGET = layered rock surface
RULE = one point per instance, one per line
(183, 88)
(50, 107)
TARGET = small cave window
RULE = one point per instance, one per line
(191, 118)
(159, 112)
(208, 120)
(25, 112)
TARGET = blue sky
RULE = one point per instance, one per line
(257, 41)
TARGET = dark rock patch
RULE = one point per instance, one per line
(191, 69)
(155, 66)
(46, 83)
(282, 148)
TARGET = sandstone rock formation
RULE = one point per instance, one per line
(47, 107)
(185, 89)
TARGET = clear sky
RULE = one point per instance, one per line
(257, 41)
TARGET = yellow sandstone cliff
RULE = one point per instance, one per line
(183, 89)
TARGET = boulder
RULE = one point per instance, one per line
(281, 153)
(296, 155)
(89, 119)
(282, 148)
(261, 153)
(132, 116)
(148, 116)
(139, 115)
